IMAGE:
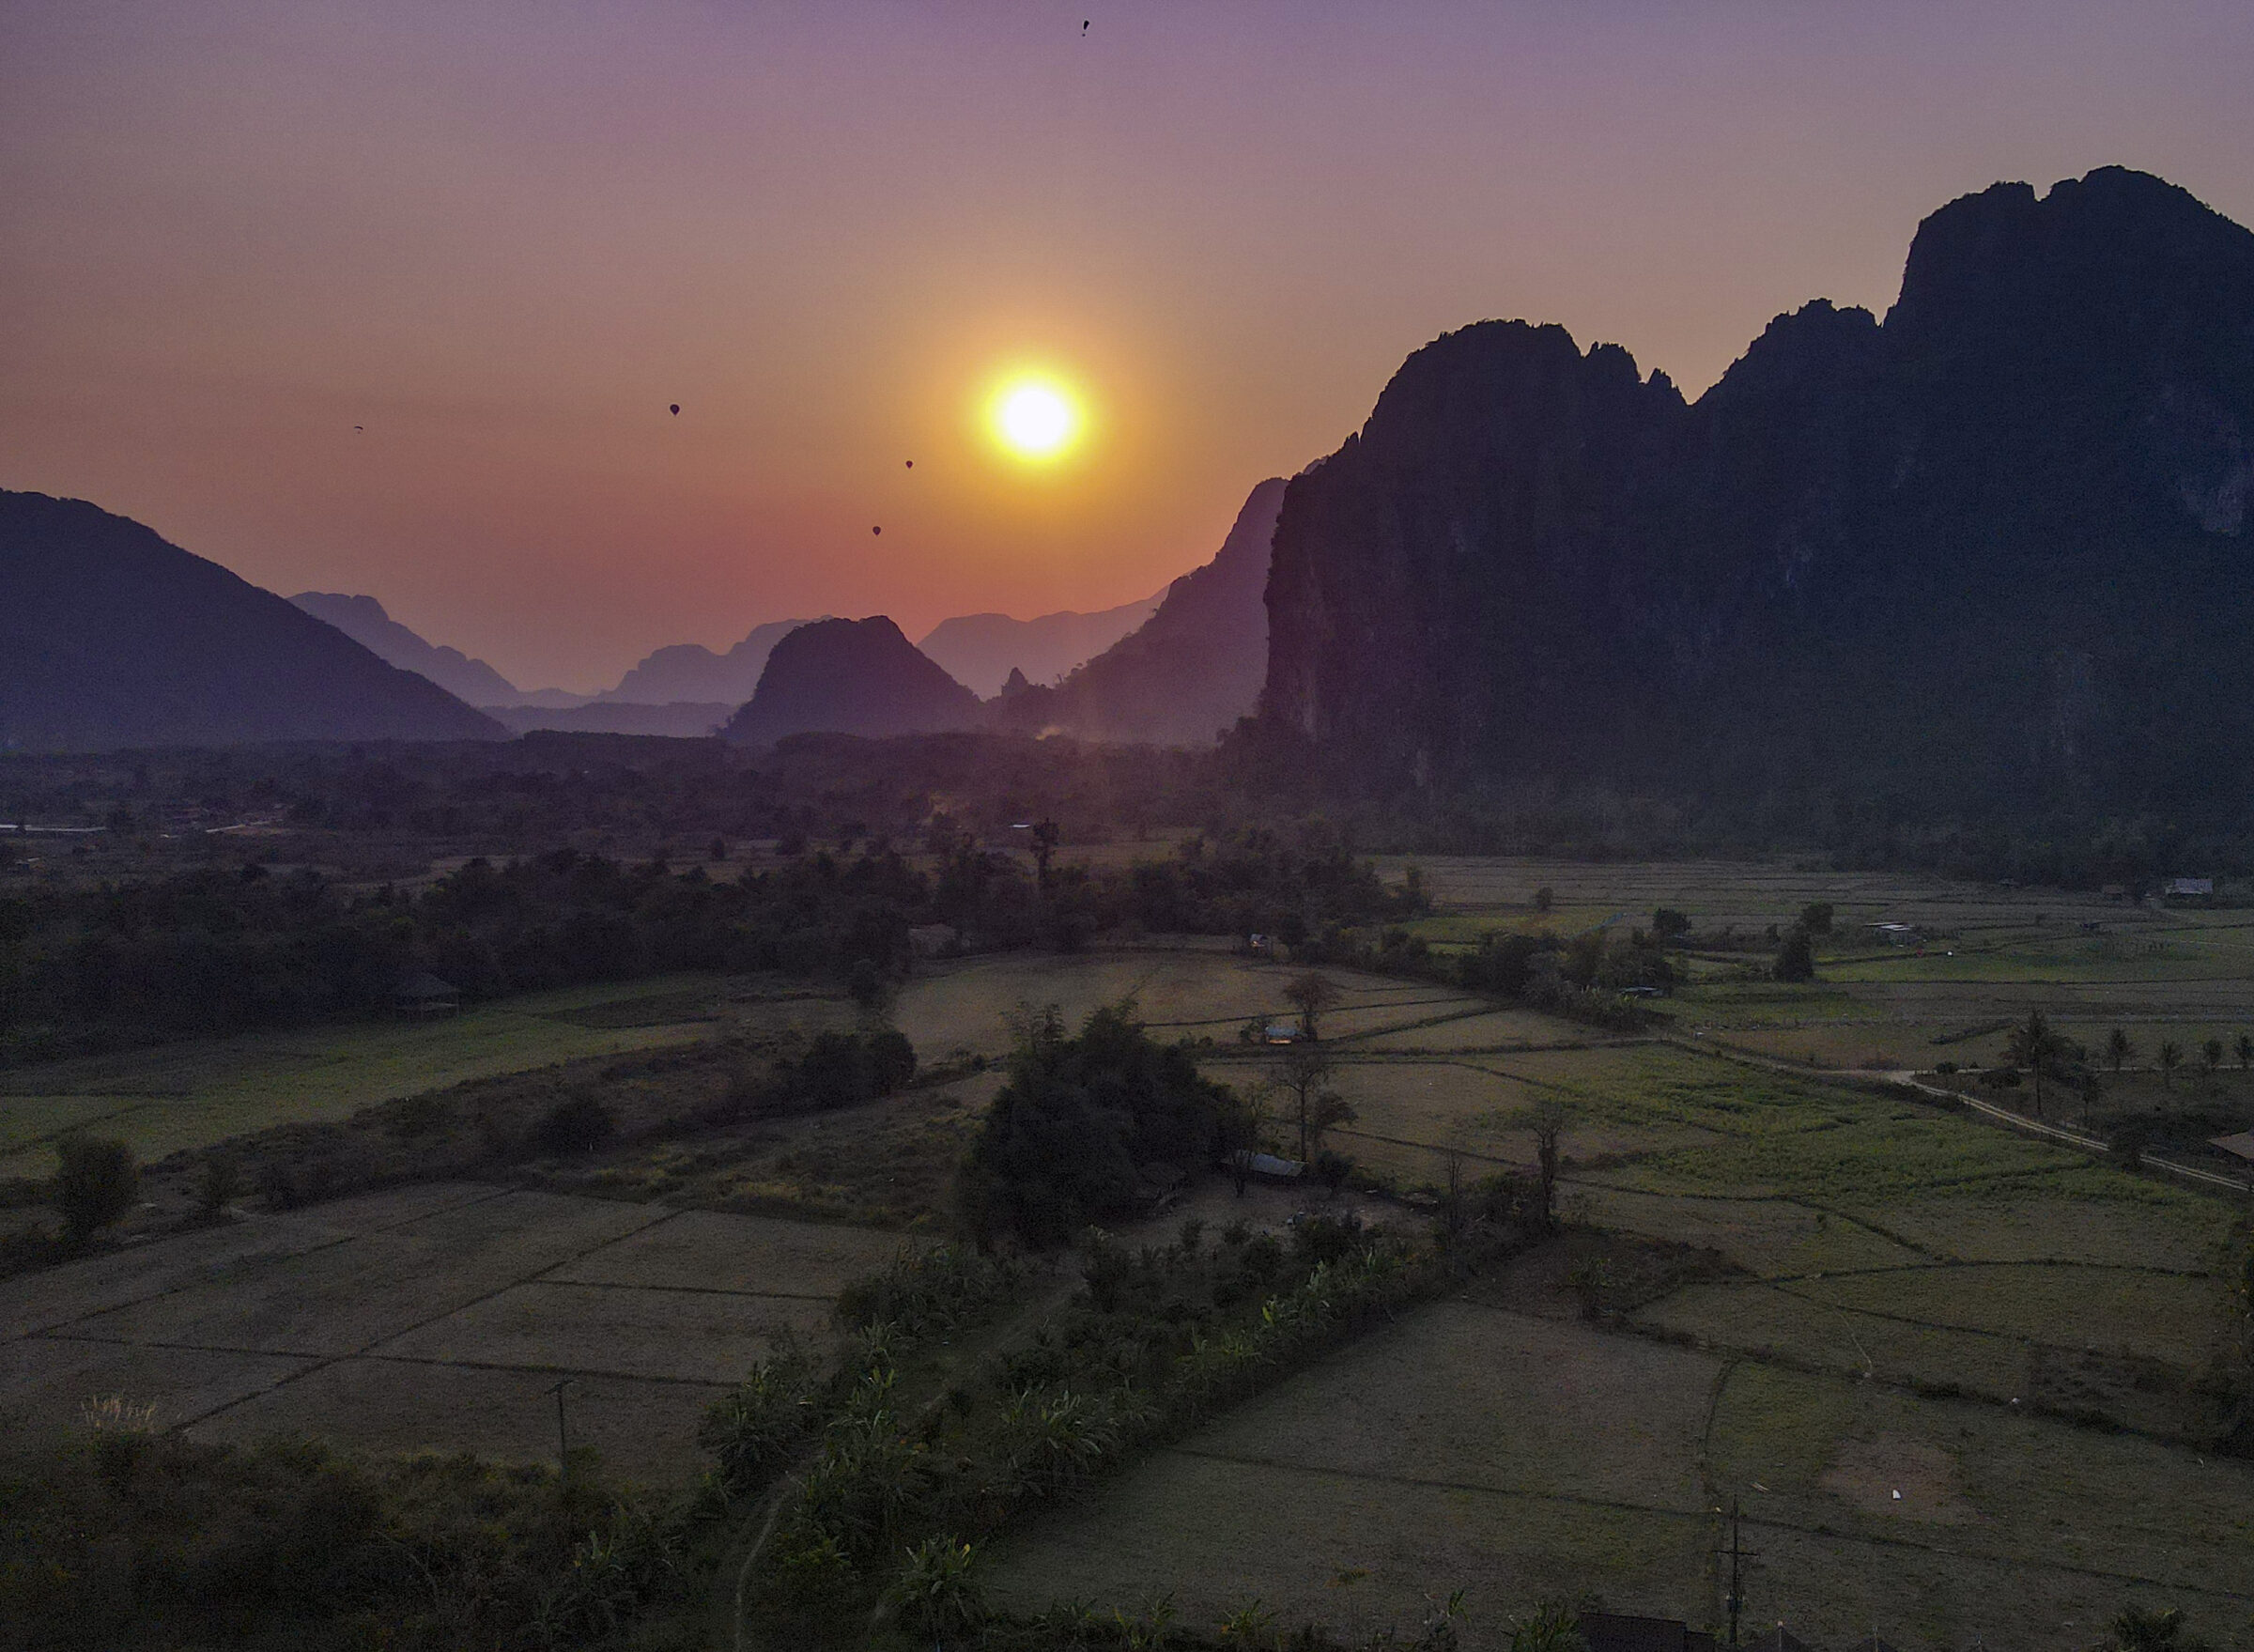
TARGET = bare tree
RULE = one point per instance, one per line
(1451, 1198)
(1045, 837)
(1547, 1119)
(2035, 1047)
(1328, 1108)
(1311, 995)
(1305, 1071)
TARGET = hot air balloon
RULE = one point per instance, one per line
(676, 410)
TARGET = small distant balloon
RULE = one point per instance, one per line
(876, 530)
(676, 407)
(358, 428)
(1083, 25)
(911, 464)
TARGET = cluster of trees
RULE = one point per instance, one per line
(1090, 1125)
(216, 950)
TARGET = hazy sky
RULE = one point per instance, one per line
(503, 238)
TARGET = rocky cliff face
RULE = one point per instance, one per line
(1191, 671)
(1993, 545)
(851, 677)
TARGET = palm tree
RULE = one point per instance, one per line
(2172, 1058)
(2036, 1047)
(2119, 1048)
(2244, 1050)
(2210, 1055)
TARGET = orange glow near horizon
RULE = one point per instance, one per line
(398, 300)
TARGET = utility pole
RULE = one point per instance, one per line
(1738, 1554)
(562, 1433)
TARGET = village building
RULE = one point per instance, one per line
(424, 994)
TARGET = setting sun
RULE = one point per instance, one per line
(1034, 419)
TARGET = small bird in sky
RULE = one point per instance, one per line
(676, 410)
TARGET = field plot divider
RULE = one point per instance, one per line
(367, 1350)
(1425, 1482)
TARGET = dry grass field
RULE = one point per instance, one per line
(180, 1096)
(433, 1317)
(1789, 1282)
(1887, 1297)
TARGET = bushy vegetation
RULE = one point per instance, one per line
(95, 1182)
(217, 952)
(485, 1125)
(1089, 1125)
(120, 1535)
(905, 1473)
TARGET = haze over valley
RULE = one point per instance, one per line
(1320, 828)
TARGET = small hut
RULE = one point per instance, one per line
(423, 994)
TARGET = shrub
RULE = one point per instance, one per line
(1796, 956)
(840, 1069)
(221, 1183)
(1815, 918)
(753, 1429)
(1667, 923)
(935, 1594)
(579, 1123)
(95, 1182)
(921, 1292)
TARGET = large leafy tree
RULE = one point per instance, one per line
(1083, 1124)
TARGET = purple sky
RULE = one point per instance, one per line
(503, 238)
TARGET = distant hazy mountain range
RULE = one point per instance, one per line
(1187, 674)
(362, 619)
(674, 689)
(110, 636)
(690, 671)
(979, 650)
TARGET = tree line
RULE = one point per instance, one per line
(232, 949)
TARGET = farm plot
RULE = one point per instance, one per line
(1489, 1029)
(1461, 1449)
(889, 1163)
(1948, 1523)
(437, 1318)
(192, 1095)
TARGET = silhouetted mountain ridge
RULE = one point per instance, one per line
(1988, 553)
(110, 637)
(1191, 671)
(363, 620)
(979, 650)
(851, 677)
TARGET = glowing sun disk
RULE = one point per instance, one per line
(1034, 419)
